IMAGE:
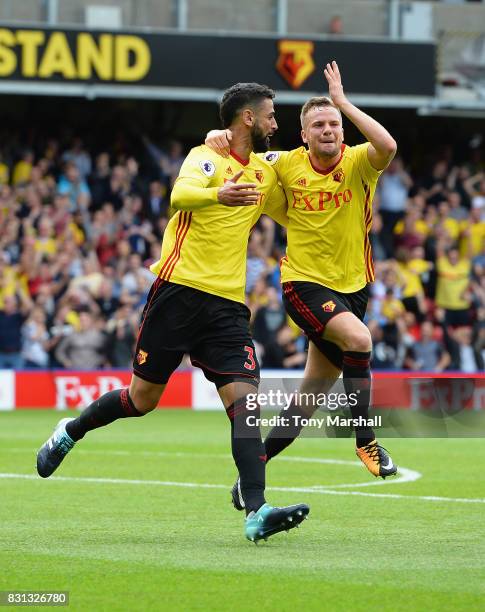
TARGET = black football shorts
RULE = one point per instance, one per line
(214, 331)
(311, 306)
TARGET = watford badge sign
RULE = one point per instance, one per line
(295, 61)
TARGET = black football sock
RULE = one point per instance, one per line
(281, 436)
(108, 408)
(357, 379)
(248, 453)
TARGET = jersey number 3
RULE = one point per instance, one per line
(250, 364)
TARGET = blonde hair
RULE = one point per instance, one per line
(317, 102)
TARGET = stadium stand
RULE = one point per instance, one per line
(79, 228)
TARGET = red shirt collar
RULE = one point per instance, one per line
(328, 170)
(243, 162)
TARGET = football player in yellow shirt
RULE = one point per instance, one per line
(196, 304)
(328, 265)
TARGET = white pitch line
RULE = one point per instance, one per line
(196, 485)
(404, 474)
(160, 483)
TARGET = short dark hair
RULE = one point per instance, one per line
(317, 102)
(239, 96)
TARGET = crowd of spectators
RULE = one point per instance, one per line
(79, 229)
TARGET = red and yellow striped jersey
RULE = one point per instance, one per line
(205, 242)
(330, 216)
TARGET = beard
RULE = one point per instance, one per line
(329, 152)
(259, 139)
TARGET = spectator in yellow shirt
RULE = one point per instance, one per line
(412, 266)
(412, 230)
(23, 168)
(4, 172)
(472, 234)
(446, 223)
(11, 282)
(45, 244)
(391, 307)
(453, 285)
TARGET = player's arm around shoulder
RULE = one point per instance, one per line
(219, 141)
(196, 184)
(201, 184)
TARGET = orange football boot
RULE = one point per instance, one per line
(376, 459)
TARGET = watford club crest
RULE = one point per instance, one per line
(295, 61)
(338, 175)
(229, 170)
(329, 306)
(141, 357)
(259, 175)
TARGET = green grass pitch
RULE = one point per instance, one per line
(117, 543)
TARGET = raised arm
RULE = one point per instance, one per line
(382, 146)
(471, 182)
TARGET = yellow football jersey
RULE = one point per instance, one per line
(473, 238)
(205, 242)
(453, 281)
(330, 216)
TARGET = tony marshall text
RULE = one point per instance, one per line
(328, 421)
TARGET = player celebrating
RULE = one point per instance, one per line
(196, 305)
(328, 265)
